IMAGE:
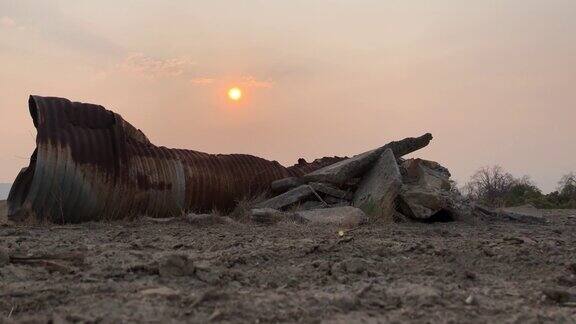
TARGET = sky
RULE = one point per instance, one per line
(493, 80)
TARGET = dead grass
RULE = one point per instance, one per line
(242, 210)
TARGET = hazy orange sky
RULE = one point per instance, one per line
(493, 81)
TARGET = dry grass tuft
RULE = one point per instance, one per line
(242, 210)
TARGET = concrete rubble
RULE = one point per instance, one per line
(378, 184)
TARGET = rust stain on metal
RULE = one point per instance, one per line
(91, 164)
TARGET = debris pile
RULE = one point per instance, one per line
(90, 164)
(379, 184)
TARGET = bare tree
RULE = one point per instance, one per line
(489, 185)
(567, 185)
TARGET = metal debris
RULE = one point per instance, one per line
(91, 164)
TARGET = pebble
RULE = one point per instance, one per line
(470, 300)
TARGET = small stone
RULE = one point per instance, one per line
(470, 300)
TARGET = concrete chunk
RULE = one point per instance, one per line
(331, 191)
(379, 188)
(288, 198)
(426, 173)
(426, 194)
(422, 203)
(286, 184)
(342, 171)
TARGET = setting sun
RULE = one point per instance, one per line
(235, 94)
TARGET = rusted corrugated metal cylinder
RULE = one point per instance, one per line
(90, 164)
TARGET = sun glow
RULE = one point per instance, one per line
(235, 94)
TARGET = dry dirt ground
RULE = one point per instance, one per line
(487, 271)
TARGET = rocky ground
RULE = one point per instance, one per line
(488, 270)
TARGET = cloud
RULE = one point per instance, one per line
(251, 82)
(246, 81)
(7, 22)
(202, 81)
(153, 68)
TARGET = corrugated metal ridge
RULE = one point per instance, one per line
(90, 164)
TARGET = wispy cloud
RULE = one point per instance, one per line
(202, 81)
(150, 67)
(247, 81)
(7, 22)
(251, 82)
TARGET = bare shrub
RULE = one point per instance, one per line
(242, 210)
(489, 185)
(495, 187)
(565, 196)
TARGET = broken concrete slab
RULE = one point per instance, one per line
(377, 192)
(426, 173)
(311, 204)
(510, 214)
(340, 172)
(524, 210)
(521, 214)
(331, 191)
(285, 184)
(288, 198)
(427, 193)
(332, 201)
(425, 204)
(347, 216)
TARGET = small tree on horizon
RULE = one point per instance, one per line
(495, 187)
(489, 185)
(565, 196)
